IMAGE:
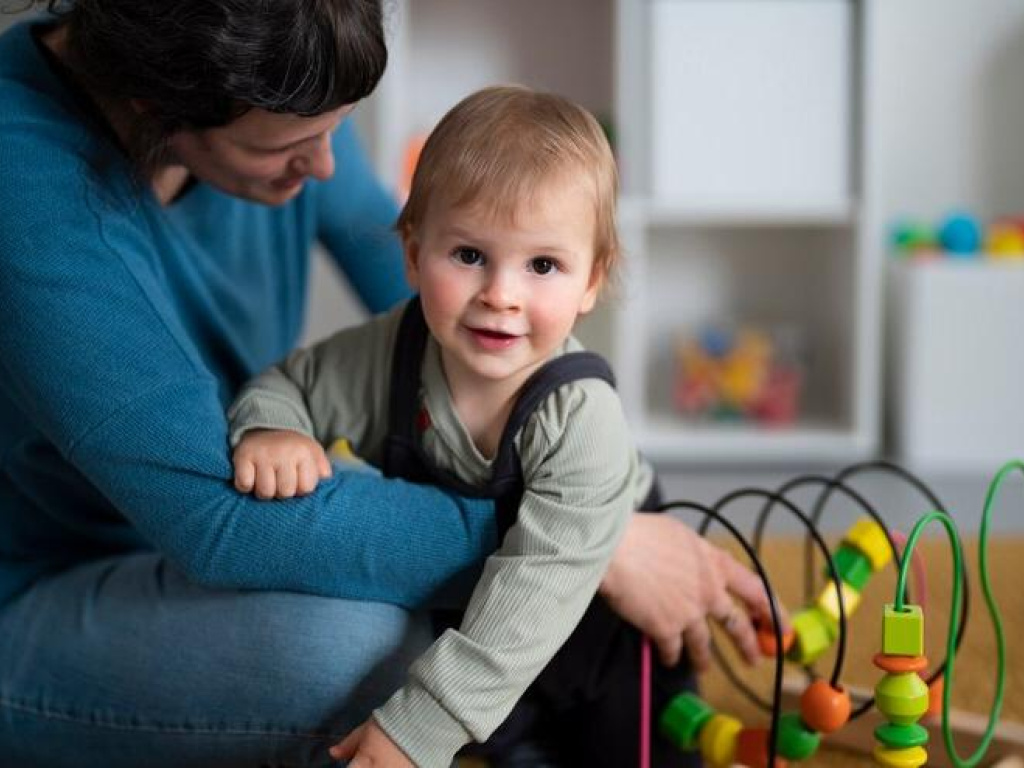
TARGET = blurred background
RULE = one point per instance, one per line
(823, 213)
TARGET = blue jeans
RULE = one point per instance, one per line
(122, 662)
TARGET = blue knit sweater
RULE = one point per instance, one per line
(126, 328)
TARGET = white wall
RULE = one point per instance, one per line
(950, 107)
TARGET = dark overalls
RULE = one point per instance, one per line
(585, 703)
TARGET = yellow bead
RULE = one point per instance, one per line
(828, 601)
(901, 758)
(868, 537)
(718, 740)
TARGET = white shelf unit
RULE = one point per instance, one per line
(743, 134)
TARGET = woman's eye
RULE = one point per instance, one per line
(468, 256)
(543, 265)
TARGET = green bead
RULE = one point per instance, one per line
(903, 632)
(683, 718)
(796, 740)
(902, 697)
(814, 632)
(852, 566)
(896, 736)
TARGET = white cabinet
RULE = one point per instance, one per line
(742, 129)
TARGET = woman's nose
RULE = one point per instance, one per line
(317, 160)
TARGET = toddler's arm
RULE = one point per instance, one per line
(579, 467)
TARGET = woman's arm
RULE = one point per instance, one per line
(356, 219)
(96, 356)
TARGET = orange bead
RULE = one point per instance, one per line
(898, 664)
(766, 640)
(935, 698)
(752, 749)
(824, 708)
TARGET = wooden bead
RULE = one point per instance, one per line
(852, 566)
(868, 538)
(718, 740)
(901, 697)
(828, 601)
(903, 631)
(682, 720)
(815, 631)
(766, 639)
(752, 749)
(896, 736)
(900, 663)
(824, 708)
(935, 691)
(914, 757)
(796, 740)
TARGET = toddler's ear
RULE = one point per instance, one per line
(593, 291)
(412, 262)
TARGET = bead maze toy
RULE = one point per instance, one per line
(825, 707)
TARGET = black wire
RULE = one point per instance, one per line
(887, 467)
(711, 514)
(832, 484)
(774, 499)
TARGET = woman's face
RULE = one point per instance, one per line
(262, 156)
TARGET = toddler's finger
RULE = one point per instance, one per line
(245, 475)
(266, 482)
(308, 477)
(323, 464)
(287, 480)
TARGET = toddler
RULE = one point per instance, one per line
(477, 384)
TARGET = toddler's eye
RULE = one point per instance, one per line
(468, 256)
(543, 265)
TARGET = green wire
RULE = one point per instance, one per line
(954, 618)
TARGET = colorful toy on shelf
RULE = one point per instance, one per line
(737, 375)
(959, 235)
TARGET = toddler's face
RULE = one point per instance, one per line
(499, 295)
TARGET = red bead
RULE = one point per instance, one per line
(752, 749)
(899, 664)
(823, 708)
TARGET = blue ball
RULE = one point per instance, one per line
(961, 235)
(716, 341)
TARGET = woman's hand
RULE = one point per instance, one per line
(369, 747)
(667, 581)
(279, 464)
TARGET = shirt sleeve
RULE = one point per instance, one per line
(336, 388)
(356, 219)
(579, 469)
(97, 360)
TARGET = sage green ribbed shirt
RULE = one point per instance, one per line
(582, 479)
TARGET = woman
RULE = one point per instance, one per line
(164, 169)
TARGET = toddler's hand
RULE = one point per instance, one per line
(279, 464)
(369, 747)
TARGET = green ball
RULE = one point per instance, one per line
(796, 740)
(896, 736)
(683, 718)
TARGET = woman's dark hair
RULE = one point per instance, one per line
(203, 63)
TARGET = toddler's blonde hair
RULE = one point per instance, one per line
(497, 146)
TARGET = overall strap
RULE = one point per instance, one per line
(552, 375)
(406, 364)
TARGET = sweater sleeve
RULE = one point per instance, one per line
(580, 470)
(356, 222)
(95, 355)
